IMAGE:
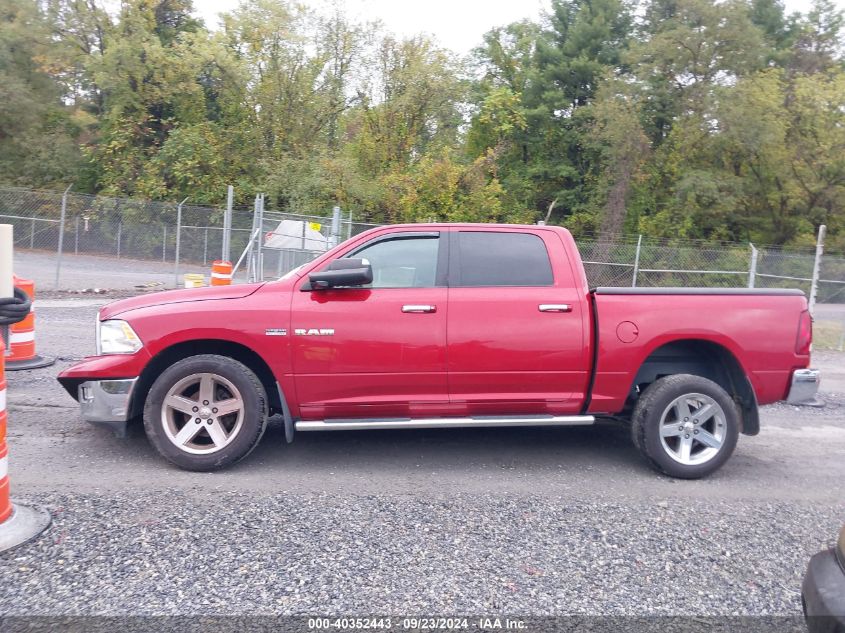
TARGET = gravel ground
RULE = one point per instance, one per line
(519, 521)
(289, 553)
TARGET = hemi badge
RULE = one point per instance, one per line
(276, 331)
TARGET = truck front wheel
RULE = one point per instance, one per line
(205, 412)
(686, 426)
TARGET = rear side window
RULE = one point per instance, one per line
(488, 258)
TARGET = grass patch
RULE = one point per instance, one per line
(828, 335)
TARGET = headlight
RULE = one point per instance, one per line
(117, 337)
(840, 547)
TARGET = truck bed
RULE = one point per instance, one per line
(758, 327)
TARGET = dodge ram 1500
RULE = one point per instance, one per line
(446, 325)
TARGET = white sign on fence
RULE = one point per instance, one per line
(296, 234)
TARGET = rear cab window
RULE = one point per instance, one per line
(499, 258)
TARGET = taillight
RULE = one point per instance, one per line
(804, 339)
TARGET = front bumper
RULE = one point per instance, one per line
(823, 594)
(804, 386)
(107, 402)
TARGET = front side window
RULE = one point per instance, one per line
(402, 262)
(490, 258)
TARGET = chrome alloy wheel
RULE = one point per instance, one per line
(202, 413)
(693, 429)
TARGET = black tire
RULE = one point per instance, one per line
(252, 424)
(648, 413)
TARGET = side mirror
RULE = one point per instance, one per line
(342, 272)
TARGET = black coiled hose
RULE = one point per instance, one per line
(14, 309)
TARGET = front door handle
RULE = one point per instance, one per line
(419, 308)
(555, 307)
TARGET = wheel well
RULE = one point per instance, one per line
(701, 358)
(175, 353)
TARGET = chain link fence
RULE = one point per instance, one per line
(117, 243)
(284, 241)
(83, 242)
(634, 261)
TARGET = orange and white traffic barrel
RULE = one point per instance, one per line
(22, 337)
(19, 524)
(5, 502)
(221, 273)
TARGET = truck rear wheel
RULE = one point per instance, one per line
(205, 412)
(686, 426)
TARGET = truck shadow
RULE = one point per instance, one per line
(605, 446)
(598, 456)
(525, 448)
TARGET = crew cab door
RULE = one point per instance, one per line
(377, 350)
(516, 324)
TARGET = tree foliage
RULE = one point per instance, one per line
(692, 118)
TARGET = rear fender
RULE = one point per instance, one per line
(701, 358)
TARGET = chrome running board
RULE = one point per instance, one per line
(362, 424)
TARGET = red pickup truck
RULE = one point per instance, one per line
(446, 325)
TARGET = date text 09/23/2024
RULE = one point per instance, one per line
(485, 623)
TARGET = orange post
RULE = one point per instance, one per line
(19, 524)
(221, 273)
(22, 336)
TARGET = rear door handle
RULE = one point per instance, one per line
(419, 308)
(555, 307)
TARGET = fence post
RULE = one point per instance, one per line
(259, 239)
(250, 262)
(335, 232)
(752, 270)
(814, 284)
(61, 236)
(163, 243)
(349, 228)
(178, 243)
(637, 261)
(119, 232)
(205, 248)
(227, 223)
(32, 234)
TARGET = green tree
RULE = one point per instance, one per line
(146, 91)
(440, 188)
(410, 104)
(585, 42)
(778, 31)
(79, 30)
(818, 43)
(532, 107)
(37, 131)
(687, 49)
(620, 150)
